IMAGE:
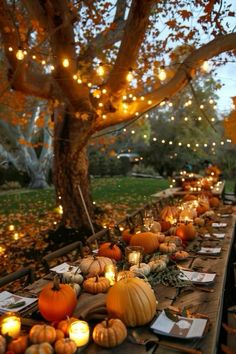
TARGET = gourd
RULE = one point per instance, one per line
(64, 324)
(59, 334)
(167, 247)
(76, 287)
(109, 333)
(199, 221)
(163, 257)
(181, 255)
(123, 274)
(187, 215)
(147, 240)
(18, 345)
(174, 239)
(186, 232)
(93, 265)
(43, 348)
(127, 235)
(96, 285)
(214, 202)
(132, 300)
(65, 346)
(141, 269)
(161, 237)
(157, 265)
(169, 213)
(56, 301)
(165, 225)
(42, 333)
(189, 197)
(70, 277)
(3, 343)
(110, 250)
(156, 227)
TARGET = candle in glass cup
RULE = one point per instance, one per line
(110, 273)
(134, 254)
(11, 227)
(79, 332)
(11, 325)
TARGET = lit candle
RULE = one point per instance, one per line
(110, 273)
(134, 254)
(79, 333)
(11, 325)
(11, 227)
(134, 257)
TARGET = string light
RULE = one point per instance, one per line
(104, 91)
(100, 70)
(149, 102)
(205, 66)
(10, 49)
(75, 77)
(142, 98)
(202, 106)
(162, 73)
(79, 80)
(66, 62)
(130, 76)
(33, 56)
(20, 54)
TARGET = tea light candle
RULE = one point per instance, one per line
(110, 273)
(11, 325)
(11, 227)
(134, 257)
(79, 333)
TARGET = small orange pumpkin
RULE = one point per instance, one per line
(42, 348)
(18, 345)
(109, 333)
(56, 301)
(127, 235)
(64, 324)
(214, 202)
(165, 225)
(186, 232)
(65, 346)
(96, 285)
(42, 333)
(110, 250)
(59, 334)
(169, 213)
(147, 240)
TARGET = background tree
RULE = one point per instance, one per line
(64, 42)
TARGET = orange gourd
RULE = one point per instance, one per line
(186, 232)
(147, 240)
(169, 213)
(93, 265)
(127, 234)
(56, 301)
(110, 250)
(59, 334)
(65, 346)
(64, 324)
(42, 348)
(109, 333)
(165, 225)
(123, 274)
(96, 285)
(42, 333)
(214, 202)
(132, 300)
(18, 345)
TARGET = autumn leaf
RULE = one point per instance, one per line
(171, 23)
(185, 14)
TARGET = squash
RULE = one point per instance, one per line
(189, 197)
(109, 333)
(174, 239)
(43, 348)
(76, 287)
(96, 285)
(157, 266)
(65, 346)
(69, 277)
(64, 324)
(169, 213)
(181, 255)
(59, 334)
(127, 235)
(165, 225)
(161, 237)
(132, 300)
(18, 345)
(163, 257)
(56, 301)
(167, 247)
(110, 250)
(186, 232)
(148, 240)
(199, 221)
(214, 202)
(42, 333)
(93, 265)
(141, 269)
(187, 215)
(3, 344)
(123, 274)
(156, 227)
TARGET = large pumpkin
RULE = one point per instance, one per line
(186, 232)
(131, 300)
(110, 250)
(109, 333)
(56, 301)
(94, 265)
(147, 240)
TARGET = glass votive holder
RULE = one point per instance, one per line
(10, 324)
(79, 333)
(134, 254)
(110, 273)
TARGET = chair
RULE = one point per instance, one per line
(75, 246)
(17, 275)
(103, 235)
(230, 198)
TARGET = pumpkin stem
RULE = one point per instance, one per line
(97, 278)
(112, 244)
(56, 283)
(107, 322)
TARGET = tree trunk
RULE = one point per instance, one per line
(37, 179)
(70, 173)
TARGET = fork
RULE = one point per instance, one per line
(139, 339)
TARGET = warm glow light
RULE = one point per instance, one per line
(205, 66)
(104, 91)
(79, 332)
(75, 77)
(65, 62)
(11, 325)
(110, 273)
(20, 54)
(79, 81)
(11, 227)
(162, 73)
(130, 76)
(16, 236)
(10, 49)
(100, 70)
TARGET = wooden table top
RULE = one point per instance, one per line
(198, 299)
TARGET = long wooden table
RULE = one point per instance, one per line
(197, 299)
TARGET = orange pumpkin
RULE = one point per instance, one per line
(18, 345)
(65, 346)
(123, 274)
(147, 240)
(214, 202)
(169, 213)
(56, 301)
(64, 324)
(189, 197)
(165, 225)
(127, 235)
(59, 334)
(186, 232)
(110, 250)
(109, 333)
(132, 300)
(42, 333)
(42, 348)
(96, 285)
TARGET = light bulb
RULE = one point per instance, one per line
(162, 73)
(205, 66)
(65, 62)
(100, 70)
(20, 54)
(129, 76)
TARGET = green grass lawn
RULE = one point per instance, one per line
(129, 190)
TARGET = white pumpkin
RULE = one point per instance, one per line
(174, 239)
(141, 269)
(157, 265)
(156, 227)
(70, 277)
(76, 287)
(168, 247)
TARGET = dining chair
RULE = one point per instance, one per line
(27, 273)
(74, 250)
(101, 236)
(230, 198)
